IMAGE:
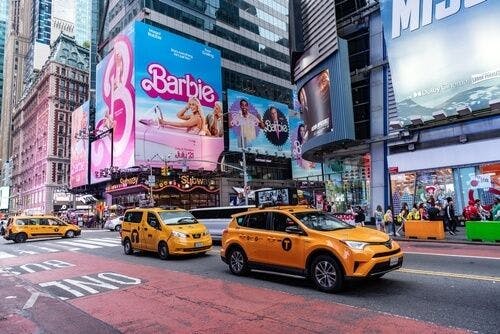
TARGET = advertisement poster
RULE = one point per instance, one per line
(314, 97)
(402, 190)
(301, 168)
(424, 40)
(257, 124)
(79, 146)
(178, 115)
(115, 101)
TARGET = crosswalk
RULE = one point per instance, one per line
(57, 245)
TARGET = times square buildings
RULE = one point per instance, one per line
(378, 154)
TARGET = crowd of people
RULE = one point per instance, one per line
(433, 210)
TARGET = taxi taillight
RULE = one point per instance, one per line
(224, 231)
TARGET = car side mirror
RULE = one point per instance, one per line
(294, 230)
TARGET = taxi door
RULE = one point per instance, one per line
(44, 229)
(151, 230)
(253, 237)
(285, 249)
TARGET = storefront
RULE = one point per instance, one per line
(183, 191)
(463, 184)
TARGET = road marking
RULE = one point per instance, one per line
(115, 241)
(455, 275)
(34, 296)
(5, 255)
(454, 255)
(100, 243)
(78, 244)
(50, 250)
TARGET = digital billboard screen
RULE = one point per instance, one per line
(258, 124)
(443, 55)
(301, 168)
(79, 146)
(314, 97)
(178, 100)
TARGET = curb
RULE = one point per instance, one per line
(459, 242)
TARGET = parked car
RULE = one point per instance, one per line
(114, 224)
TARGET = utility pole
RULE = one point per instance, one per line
(244, 167)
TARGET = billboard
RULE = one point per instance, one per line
(157, 107)
(301, 168)
(79, 146)
(4, 198)
(258, 124)
(178, 100)
(443, 55)
(314, 97)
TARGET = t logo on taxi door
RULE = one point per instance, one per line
(286, 244)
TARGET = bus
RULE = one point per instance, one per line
(216, 219)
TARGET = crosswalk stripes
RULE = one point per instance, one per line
(61, 245)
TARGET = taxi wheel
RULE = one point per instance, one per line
(163, 250)
(21, 237)
(238, 261)
(127, 247)
(70, 234)
(326, 274)
(118, 228)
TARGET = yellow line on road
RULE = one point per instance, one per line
(454, 275)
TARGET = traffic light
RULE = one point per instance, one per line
(165, 171)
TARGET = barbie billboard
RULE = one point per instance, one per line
(114, 126)
(79, 146)
(158, 100)
(178, 101)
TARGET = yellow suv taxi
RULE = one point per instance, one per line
(22, 228)
(168, 232)
(303, 241)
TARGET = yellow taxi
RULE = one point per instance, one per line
(303, 241)
(167, 232)
(22, 228)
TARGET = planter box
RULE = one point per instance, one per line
(424, 229)
(483, 230)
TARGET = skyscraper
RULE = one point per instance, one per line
(83, 21)
(4, 15)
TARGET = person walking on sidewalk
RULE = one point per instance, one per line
(449, 216)
(389, 222)
(403, 214)
(379, 218)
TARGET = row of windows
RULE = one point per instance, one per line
(273, 221)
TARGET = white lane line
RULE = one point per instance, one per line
(118, 241)
(5, 255)
(47, 249)
(100, 243)
(78, 244)
(67, 248)
(453, 255)
(454, 275)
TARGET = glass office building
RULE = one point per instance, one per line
(4, 15)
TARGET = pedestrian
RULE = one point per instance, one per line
(389, 222)
(379, 219)
(401, 219)
(433, 211)
(414, 213)
(450, 218)
(495, 211)
(359, 218)
(483, 213)
(423, 212)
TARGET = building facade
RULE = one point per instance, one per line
(16, 45)
(400, 154)
(4, 19)
(83, 15)
(41, 128)
(252, 38)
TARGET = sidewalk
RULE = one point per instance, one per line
(458, 238)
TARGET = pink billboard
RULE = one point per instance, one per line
(79, 146)
(158, 100)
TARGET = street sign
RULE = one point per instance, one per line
(151, 180)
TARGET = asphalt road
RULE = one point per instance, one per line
(444, 284)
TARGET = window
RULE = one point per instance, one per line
(257, 220)
(152, 220)
(44, 222)
(281, 222)
(133, 217)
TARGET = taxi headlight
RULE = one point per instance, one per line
(179, 234)
(358, 245)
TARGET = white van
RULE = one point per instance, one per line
(216, 219)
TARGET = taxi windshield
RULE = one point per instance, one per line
(177, 217)
(321, 221)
